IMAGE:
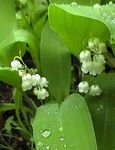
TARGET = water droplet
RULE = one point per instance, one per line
(61, 138)
(61, 129)
(39, 145)
(47, 147)
(46, 133)
(64, 145)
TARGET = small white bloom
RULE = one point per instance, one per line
(85, 56)
(83, 87)
(36, 79)
(91, 44)
(96, 68)
(95, 90)
(44, 82)
(42, 94)
(21, 72)
(86, 67)
(102, 47)
(15, 64)
(27, 82)
(100, 58)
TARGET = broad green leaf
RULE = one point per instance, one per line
(7, 18)
(11, 77)
(55, 63)
(7, 106)
(102, 109)
(8, 53)
(67, 126)
(75, 25)
(80, 2)
(26, 37)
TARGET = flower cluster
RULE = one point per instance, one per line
(94, 90)
(92, 62)
(30, 81)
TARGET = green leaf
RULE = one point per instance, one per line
(11, 77)
(8, 123)
(55, 63)
(80, 2)
(7, 18)
(67, 126)
(7, 54)
(102, 109)
(26, 37)
(7, 106)
(75, 26)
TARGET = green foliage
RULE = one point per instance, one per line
(76, 26)
(66, 126)
(55, 63)
(11, 77)
(80, 2)
(7, 106)
(102, 109)
(7, 18)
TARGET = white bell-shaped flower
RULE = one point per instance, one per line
(15, 64)
(86, 67)
(36, 79)
(26, 82)
(100, 58)
(95, 90)
(42, 94)
(43, 82)
(83, 87)
(85, 56)
(102, 47)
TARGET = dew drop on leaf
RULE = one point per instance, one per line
(61, 138)
(61, 129)
(46, 133)
(64, 145)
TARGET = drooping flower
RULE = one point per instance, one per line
(15, 64)
(83, 87)
(85, 56)
(95, 90)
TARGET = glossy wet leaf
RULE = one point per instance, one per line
(75, 25)
(67, 126)
(7, 18)
(55, 63)
(11, 77)
(24, 36)
(102, 110)
(81, 2)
